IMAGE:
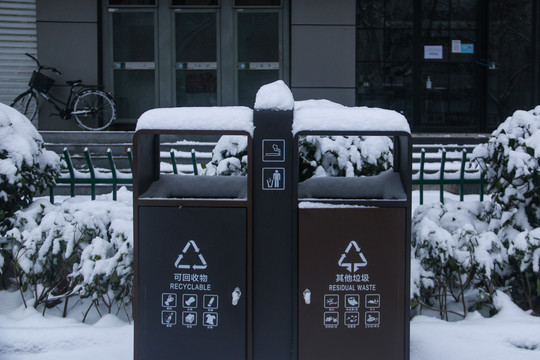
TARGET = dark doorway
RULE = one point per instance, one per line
(447, 65)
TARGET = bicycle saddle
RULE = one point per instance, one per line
(74, 82)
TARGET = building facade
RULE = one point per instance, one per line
(447, 65)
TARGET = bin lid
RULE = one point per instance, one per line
(324, 115)
(234, 118)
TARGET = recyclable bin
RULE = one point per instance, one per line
(354, 258)
(192, 243)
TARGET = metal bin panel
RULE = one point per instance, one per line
(191, 260)
(352, 269)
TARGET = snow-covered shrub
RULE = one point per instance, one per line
(511, 166)
(44, 246)
(461, 253)
(104, 272)
(522, 276)
(78, 247)
(26, 168)
(229, 157)
(458, 255)
(344, 155)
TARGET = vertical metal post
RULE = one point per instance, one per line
(130, 159)
(173, 162)
(67, 159)
(482, 187)
(462, 175)
(92, 173)
(441, 176)
(113, 172)
(273, 264)
(194, 162)
(422, 160)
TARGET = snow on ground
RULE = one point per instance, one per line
(511, 334)
(431, 196)
(26, 334)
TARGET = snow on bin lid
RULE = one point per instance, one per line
(236, 118)
(274, 96)
(324, 115)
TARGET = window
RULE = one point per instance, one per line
(196, 58)
(384, 48)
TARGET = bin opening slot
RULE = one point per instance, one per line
(189, 186)
(203, 154)
(386, 185)
(349, 167)
(192, 164)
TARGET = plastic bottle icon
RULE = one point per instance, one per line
(428, 83)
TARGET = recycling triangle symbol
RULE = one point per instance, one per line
(201, 266)
(352, 266)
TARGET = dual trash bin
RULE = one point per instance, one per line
(265, 266)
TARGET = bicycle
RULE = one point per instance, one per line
(93, 108)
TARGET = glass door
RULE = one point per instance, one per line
(384, 54)
(258, 44)
(197, 70)
(133, 61)
(477, 65)
(451, 64)
(510, 52)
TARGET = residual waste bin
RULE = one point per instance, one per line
(353, 251)
(192, 243)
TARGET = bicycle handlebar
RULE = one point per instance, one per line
(33, 58)
(55, 70)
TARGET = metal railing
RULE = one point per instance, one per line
(93, 176)
(439, 168)
(446, 168)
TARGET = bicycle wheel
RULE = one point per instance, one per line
(94, 110)
(27, 104)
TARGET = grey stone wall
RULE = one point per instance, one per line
(67, 34)
(323, 50)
